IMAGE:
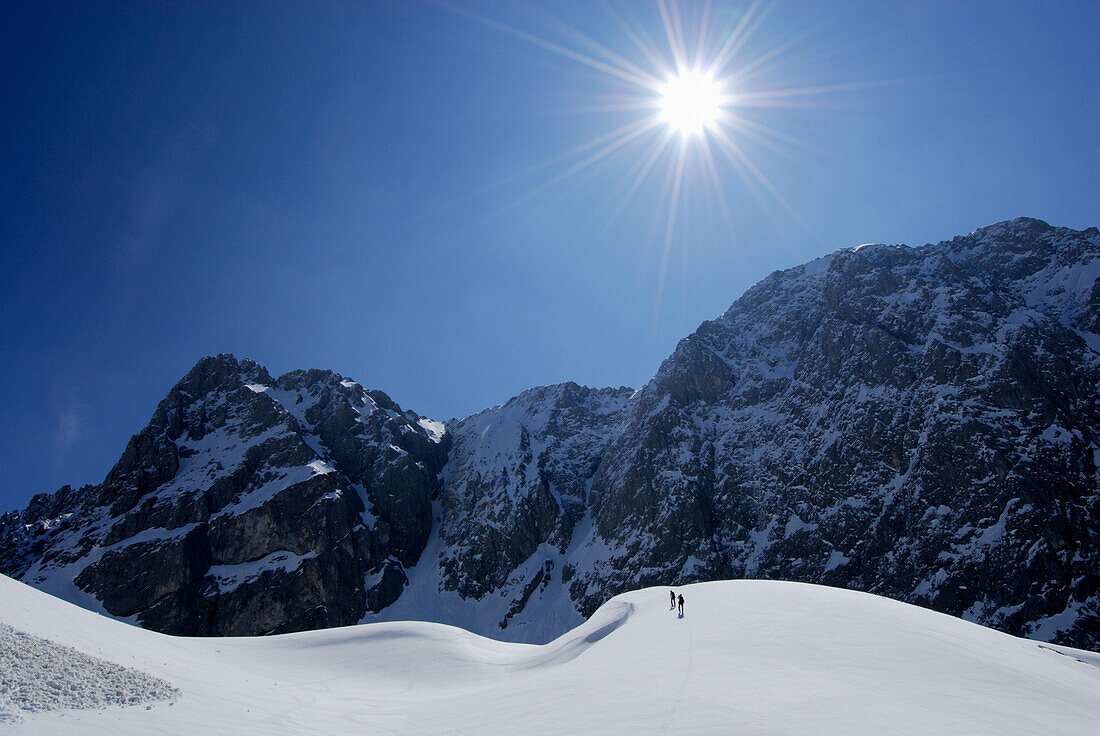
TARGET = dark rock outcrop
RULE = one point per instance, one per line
(230, 514)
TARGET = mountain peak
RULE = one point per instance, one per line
(223, 371)
(1019, 225)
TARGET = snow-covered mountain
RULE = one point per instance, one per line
(747, 657)
(915, 422)
(227, 514)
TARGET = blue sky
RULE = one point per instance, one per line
(395, 190)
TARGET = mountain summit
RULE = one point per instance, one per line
(916, 422)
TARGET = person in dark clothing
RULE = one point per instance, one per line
(671, 599)
(681, 601)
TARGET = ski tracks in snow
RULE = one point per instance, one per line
(683, 644)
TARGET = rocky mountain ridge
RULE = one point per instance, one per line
(916, 422)
(226, 514)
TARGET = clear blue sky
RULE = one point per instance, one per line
(394, 189)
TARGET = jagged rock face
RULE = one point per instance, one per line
(393, 458)
(229, 514)
(919, 423)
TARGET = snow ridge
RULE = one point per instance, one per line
(746, 657)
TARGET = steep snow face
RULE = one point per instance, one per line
(746, 657)
(916, 422)
(516, 488)
(511, 526)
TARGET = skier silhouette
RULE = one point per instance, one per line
(671, 599)
(681, 601)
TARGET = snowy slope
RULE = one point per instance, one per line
(749, 657)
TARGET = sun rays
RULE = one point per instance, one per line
(686, 86)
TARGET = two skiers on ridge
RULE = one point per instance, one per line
(673, 600)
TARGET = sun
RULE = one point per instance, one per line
(691, 102)
(688, 101)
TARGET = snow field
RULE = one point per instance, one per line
(749, 657)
